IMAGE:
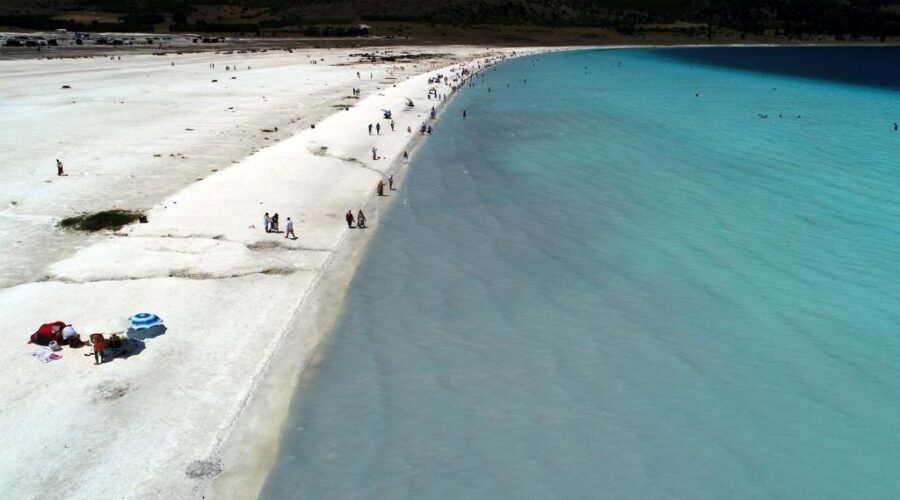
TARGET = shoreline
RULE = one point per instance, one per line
(253, 447)
(223, 289)
(520, 37)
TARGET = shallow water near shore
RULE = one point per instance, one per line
(616, 279)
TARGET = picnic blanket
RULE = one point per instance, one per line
(44, 354)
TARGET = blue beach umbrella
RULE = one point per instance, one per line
(146, 326)
(142, 321)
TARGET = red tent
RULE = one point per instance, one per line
(47, 333)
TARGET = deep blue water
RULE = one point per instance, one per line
(601, 286)
(871, 66)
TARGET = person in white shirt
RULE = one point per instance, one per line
(68, 332)
(290, 229)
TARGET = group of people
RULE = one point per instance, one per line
(53, 336)
(379, 188)
(360, 219)
(270, 223)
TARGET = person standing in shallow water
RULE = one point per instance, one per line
(349, 218)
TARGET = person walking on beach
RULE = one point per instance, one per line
(60, 172)
(374, 153)
(267, 222)
(290, 229)
(378, 128)
(360, 219)
(405, 156)
(370, 129)
(392, 125)
(391, 179)
(274, 224)
(349, 218)
(380, 188)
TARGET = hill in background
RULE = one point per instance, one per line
(797, 19)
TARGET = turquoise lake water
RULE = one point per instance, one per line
(601, 286)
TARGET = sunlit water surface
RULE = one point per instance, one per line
(601, 284)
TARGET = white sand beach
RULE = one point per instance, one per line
(204, 160)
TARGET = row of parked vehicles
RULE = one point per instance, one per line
(63, 37)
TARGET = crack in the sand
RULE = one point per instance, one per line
(185, 274)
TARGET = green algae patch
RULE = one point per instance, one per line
(107, 219)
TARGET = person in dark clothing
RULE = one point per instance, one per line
(349, 218)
